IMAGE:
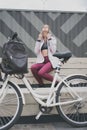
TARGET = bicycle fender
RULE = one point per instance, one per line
(68, 77)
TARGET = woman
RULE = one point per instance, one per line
(45, 48)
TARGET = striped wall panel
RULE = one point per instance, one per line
(70, 29)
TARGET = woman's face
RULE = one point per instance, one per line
(45, 30)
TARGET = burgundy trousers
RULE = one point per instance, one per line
(41, 70)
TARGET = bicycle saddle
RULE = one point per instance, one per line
(65, 56)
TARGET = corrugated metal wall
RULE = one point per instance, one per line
(69, 28)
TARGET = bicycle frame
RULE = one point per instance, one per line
(50, 97)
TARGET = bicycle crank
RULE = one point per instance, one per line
(45, 110)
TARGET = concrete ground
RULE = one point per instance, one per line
(46, 126)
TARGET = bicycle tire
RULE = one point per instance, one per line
(74, 113)
(10, 107)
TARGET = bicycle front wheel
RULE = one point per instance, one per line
(10, 106)
(74, 113)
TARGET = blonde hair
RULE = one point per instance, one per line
(46, 26)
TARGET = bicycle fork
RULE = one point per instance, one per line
(3, 88)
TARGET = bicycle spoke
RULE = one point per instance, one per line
(10, 106)
(74, 113)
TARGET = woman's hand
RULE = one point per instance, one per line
(49, 36)
(40, 36)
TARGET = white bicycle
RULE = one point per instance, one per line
(69, 96)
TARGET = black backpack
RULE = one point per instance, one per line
(14, 58)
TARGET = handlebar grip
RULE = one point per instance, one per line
(14, 36)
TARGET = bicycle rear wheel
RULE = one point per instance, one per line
(10, 106)
(74, 113)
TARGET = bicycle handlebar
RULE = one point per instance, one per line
(14, 36)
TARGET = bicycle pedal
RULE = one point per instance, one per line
(38, 115)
